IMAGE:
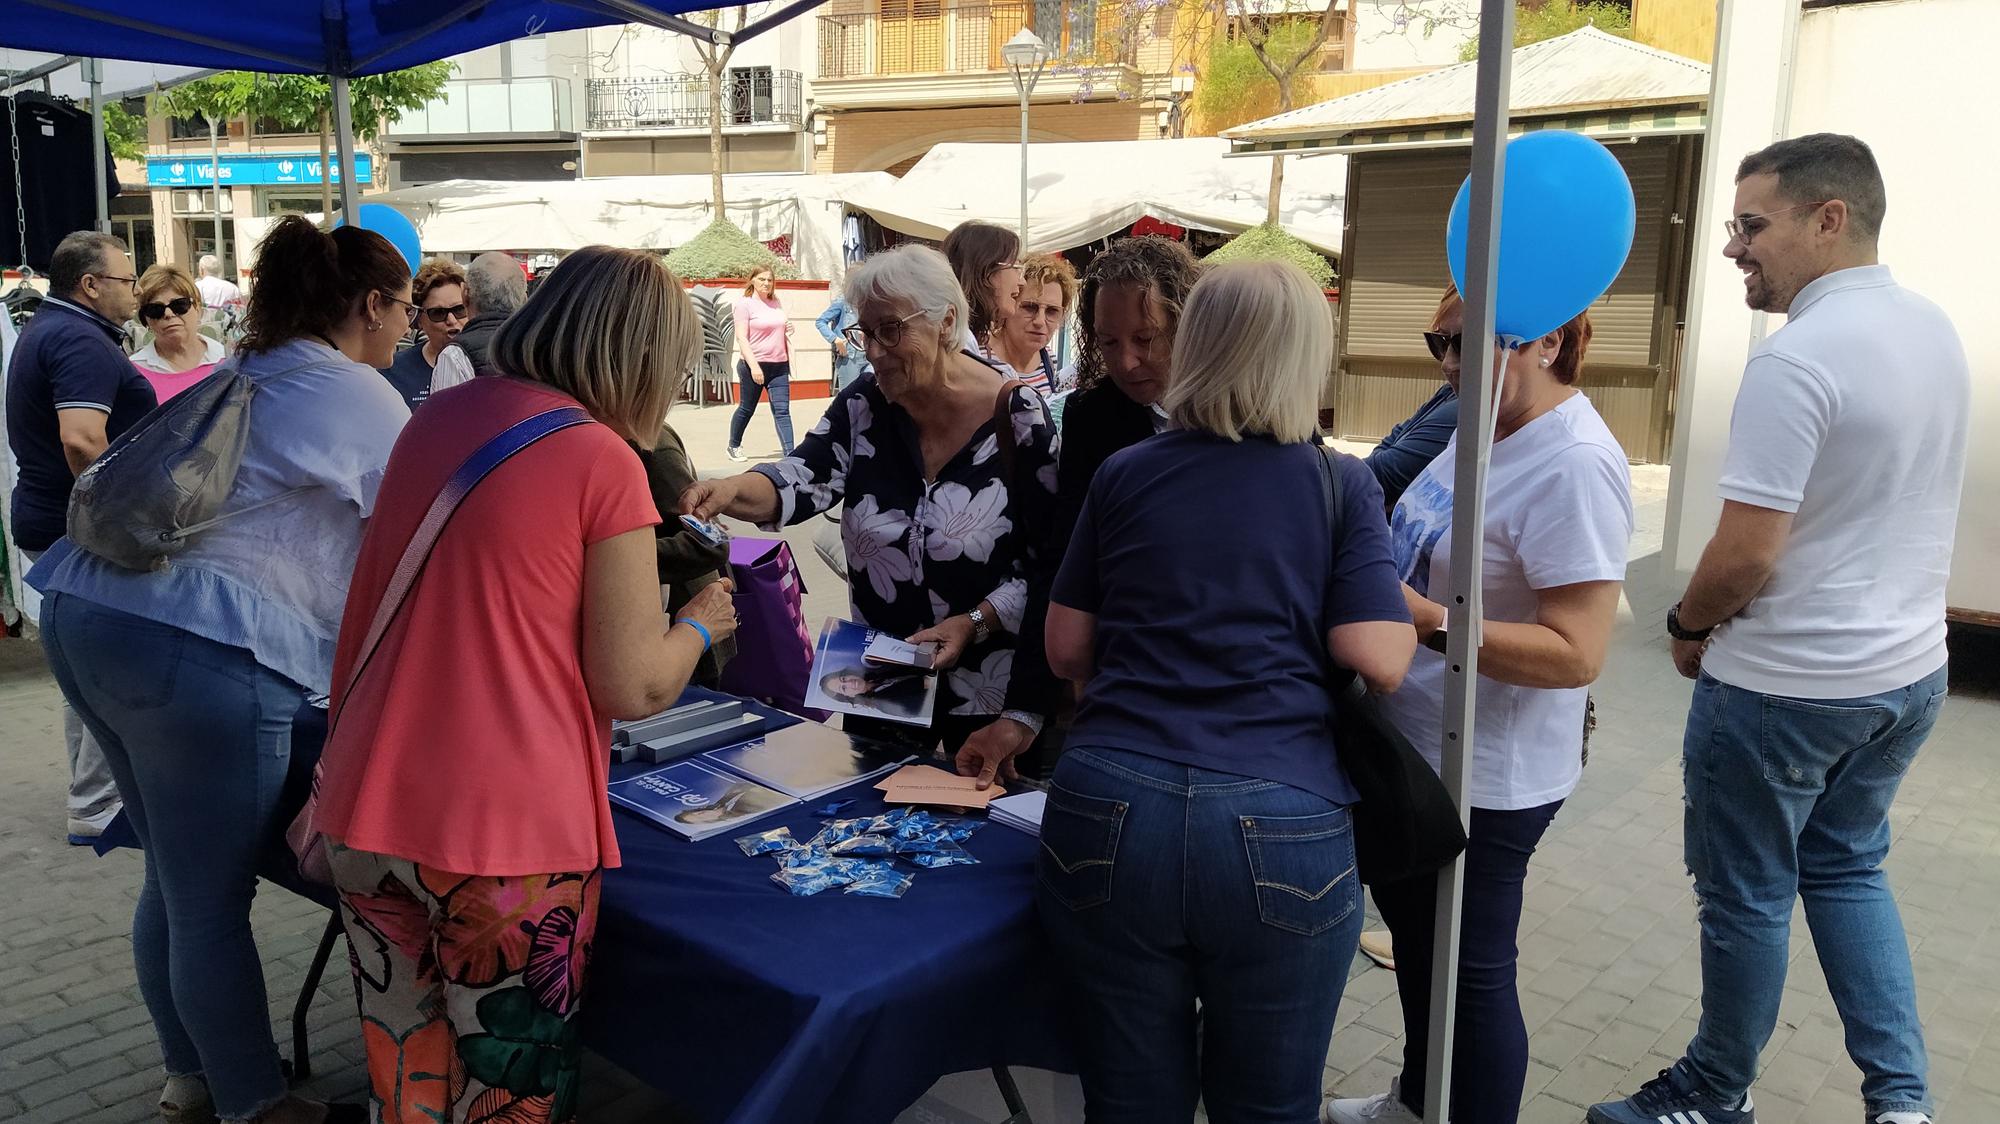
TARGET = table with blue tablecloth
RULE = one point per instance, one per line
(745, 1004)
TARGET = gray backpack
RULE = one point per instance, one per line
(165, 479)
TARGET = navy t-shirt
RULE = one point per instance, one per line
(410, 374)
(1211, 569)
(67, 358)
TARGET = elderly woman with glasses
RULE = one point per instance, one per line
(946, 473)
(439, 292)
(1048, 292)
(178, 356)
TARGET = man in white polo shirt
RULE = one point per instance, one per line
(1815, 625)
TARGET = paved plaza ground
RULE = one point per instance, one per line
(1609, 970)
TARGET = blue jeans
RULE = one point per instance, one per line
(1789, 798)
(199, 738)
(778, 381)
(1162, 886)
(1490, 1038)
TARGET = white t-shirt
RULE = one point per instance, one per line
(1558, 512)
(216, 293)
(1853, 416)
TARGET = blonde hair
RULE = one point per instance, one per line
(162, 278)
(613, 329)
(1252, 353)
(1050, 269)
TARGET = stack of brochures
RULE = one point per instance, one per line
(1022, 812)
(724, 788)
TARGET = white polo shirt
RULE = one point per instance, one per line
(1853, 417)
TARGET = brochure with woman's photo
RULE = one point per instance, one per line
(845, 680)
(695, 801)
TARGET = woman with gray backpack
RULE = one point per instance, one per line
(189, 656)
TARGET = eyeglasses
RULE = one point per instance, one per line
(132, 281)
(886, 337)
(1035, 310)
(409, 310)
(1442, 344)
(444, 313)
(1745, 227)
(179, 306)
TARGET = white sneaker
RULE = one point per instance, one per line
(1382, 1108)
(1900, 1118)
(736, 454)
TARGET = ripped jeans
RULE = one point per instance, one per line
(1789, 798)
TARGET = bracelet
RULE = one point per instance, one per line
(707, 641)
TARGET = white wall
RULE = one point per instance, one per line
(635, 51)
(1912, 78)
(1383, 40)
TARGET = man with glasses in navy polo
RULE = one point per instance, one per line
(70, 392)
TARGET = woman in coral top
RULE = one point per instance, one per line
(463, 787)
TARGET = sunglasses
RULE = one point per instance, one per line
(440, 315)
(179, 306)
(1442, 344)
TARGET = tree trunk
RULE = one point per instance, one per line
(1272, 198)
(325, 173)
(715, 136)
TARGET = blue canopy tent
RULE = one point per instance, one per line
(337, 38)
(343, 39)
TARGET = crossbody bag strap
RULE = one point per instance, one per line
(495, 452)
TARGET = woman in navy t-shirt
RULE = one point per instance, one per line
(1197, 845)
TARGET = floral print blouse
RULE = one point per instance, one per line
(920, 550)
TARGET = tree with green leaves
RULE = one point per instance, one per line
(305, 101)
(124, 131)
(1556, 17)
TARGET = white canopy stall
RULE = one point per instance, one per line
(645, 212)
(1082, 191)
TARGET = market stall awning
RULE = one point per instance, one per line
(66, 74)
(1082, 191)
(1587, 81)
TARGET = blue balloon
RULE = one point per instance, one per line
(389, 222)
(1566, 222)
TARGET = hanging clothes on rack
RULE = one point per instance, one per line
(46, 177)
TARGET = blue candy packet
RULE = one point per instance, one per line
(880, 880)
(946, 854)
(872, 845)
(778, 840)
(808, 872)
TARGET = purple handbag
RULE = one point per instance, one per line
(774, 648)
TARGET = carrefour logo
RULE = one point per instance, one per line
(177, 169)
(285, 167)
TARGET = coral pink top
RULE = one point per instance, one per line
(763, 322)
(470, 743)
(167, 383)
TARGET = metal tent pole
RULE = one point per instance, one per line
(93, 72)
(343, 136)
(215, 190)
(1468, 516)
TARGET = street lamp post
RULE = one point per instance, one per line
(1026, 56)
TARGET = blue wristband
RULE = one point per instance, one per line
(707, 641)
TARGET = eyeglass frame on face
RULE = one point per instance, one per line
(1736, 231)
(444, 312)
(147, 313)
(409, 310)
(132, 281)
(860, 334)
(1055, 312)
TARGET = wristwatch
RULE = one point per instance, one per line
(1687, 635)
(981, 627)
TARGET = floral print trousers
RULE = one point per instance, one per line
(469, 987)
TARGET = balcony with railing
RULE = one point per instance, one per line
(536, 108)
(880, 53)
(751, 96)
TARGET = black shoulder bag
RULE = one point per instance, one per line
(1405, 824)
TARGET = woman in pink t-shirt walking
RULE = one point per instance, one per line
(764, 337)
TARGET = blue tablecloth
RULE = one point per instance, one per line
(745, 1004)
